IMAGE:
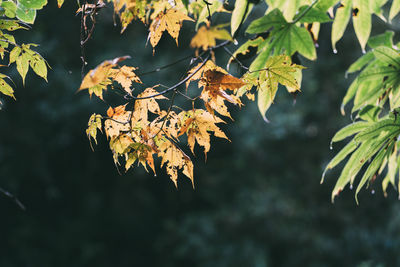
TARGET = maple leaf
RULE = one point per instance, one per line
(209, 65)
(171, 21)
(206, 38)
(94, 124)
(197, 124)
(125, 76)
(216, 81)
(175, 159)
(214, 94)
(96, 80)
(278, 69)
(143, 106)
(118, 122)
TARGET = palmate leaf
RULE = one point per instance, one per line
(277, 70)
(285, 37)
(361, 12)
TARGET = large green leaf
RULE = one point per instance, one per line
(387, 55)
(350, 130)
(263, 24)
(34, 4)
(25, 14)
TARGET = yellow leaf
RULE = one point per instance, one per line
(125, 76)
(118, 123)
(93, 124)
(143, 106)
(170, 21)
(60, 3)
(175, 159)
(98, 79)
(206, 38)
(197, 125)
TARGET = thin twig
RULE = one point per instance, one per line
(178, 84)
(235, 58)
(16, 200)
(164, 67)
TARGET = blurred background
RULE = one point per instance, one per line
(257, 202)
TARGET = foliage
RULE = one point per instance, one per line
(149, 123)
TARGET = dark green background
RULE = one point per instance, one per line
(257, 201)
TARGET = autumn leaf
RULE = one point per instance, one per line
(206, 37)
(171, 21)
(125, 76)
(198, 71)
(175, 159)
(197, 124)
(214, 93)
(144, 106)
(118, 122)
(98, 79)
(94, 124)
(60, 3)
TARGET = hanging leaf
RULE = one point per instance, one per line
(206, 38)
(170, 21)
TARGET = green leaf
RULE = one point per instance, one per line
(324, 5)
(365, 151)
(293, 39)
(340, 22)
(385, 39)
(33, 4)
(208, 11)
(361, 62)
(350, 147)
(350, 130)
(387, 55)
(288, 7)
(370, 113)
(10, 8)
(394, 9)
(265, 97)
(25, 14)
(245, 48)
(371, 170)
(242, 8)
(278, 69)
(351, 92)
(362, 21)
(263, 24)
(376, 129)
(313, 15)
(10, 25)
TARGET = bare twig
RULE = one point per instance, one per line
(16, 200)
